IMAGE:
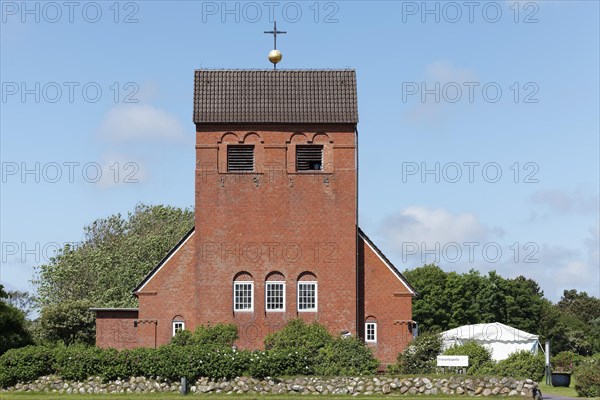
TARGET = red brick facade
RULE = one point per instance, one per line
(117, 329)
(274, 224)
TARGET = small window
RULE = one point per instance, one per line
(178, 326)
(243, 299)
(309, 158)
(240, 158)
(307, 296)
(275, 292)
(371, 332)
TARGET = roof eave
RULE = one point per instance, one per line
(202, 122)
(165, 258)
(385, 259)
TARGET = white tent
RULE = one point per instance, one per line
(501, 339)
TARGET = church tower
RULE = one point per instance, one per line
(276, 200)
(275, 235)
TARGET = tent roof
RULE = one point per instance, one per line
(492, 332)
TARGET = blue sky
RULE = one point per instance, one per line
(509, 87)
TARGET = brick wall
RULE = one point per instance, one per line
(117, 329)
(169, 296)
(388, 302)
(273, 223)
(276, 220)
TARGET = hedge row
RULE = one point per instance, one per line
(171, 362)
(299, 349)
(419, 357)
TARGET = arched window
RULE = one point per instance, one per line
(275, 292)
(308, 293)
(243, 292)
(371, 330)
(178, 324)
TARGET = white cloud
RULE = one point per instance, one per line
(444, 72)
(120, 170)
(136, 121)
(592, 245)
(573, 273)
(434, 111)
(422, 224)
(418, 235)
(148, 92)
(561, 202)
(558, 268)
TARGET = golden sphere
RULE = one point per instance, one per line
(275, 56)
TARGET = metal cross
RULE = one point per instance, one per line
(275, 32)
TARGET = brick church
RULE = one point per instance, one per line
(276, 233)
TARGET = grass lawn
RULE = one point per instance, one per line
(559, 391)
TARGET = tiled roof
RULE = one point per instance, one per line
(268, 96)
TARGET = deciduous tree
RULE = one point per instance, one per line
(12, 325)
(114, 256)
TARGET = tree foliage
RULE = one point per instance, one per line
(12, 325)
(448, 300)
(116, 254)
(24, 301)
(68, 322)
(113, 258)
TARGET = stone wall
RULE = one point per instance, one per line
(468, 386)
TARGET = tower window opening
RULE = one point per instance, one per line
(240, 158)
(309, 158)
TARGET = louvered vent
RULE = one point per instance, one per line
(309, 158)
(240, 158)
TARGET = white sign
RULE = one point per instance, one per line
(452, 361)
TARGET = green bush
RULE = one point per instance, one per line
(419, 357)
(280, 362)
(299, 349)
(78, 362)
(222, 363)
(479, 356)
(522, 364)
(12, 325)
(587, 377)
(487, 369)
(393, 369)
(220, 335)
(565, 361)
(115, 364)
(297, 334)
(172, 362)
(346, 356)
(25, 364)
(182, 338)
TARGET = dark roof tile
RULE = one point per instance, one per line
(268, 96)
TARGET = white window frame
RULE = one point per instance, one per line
(175, 323)
(238, 283)
(374, 339)
(316, 308)
(269, 283)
